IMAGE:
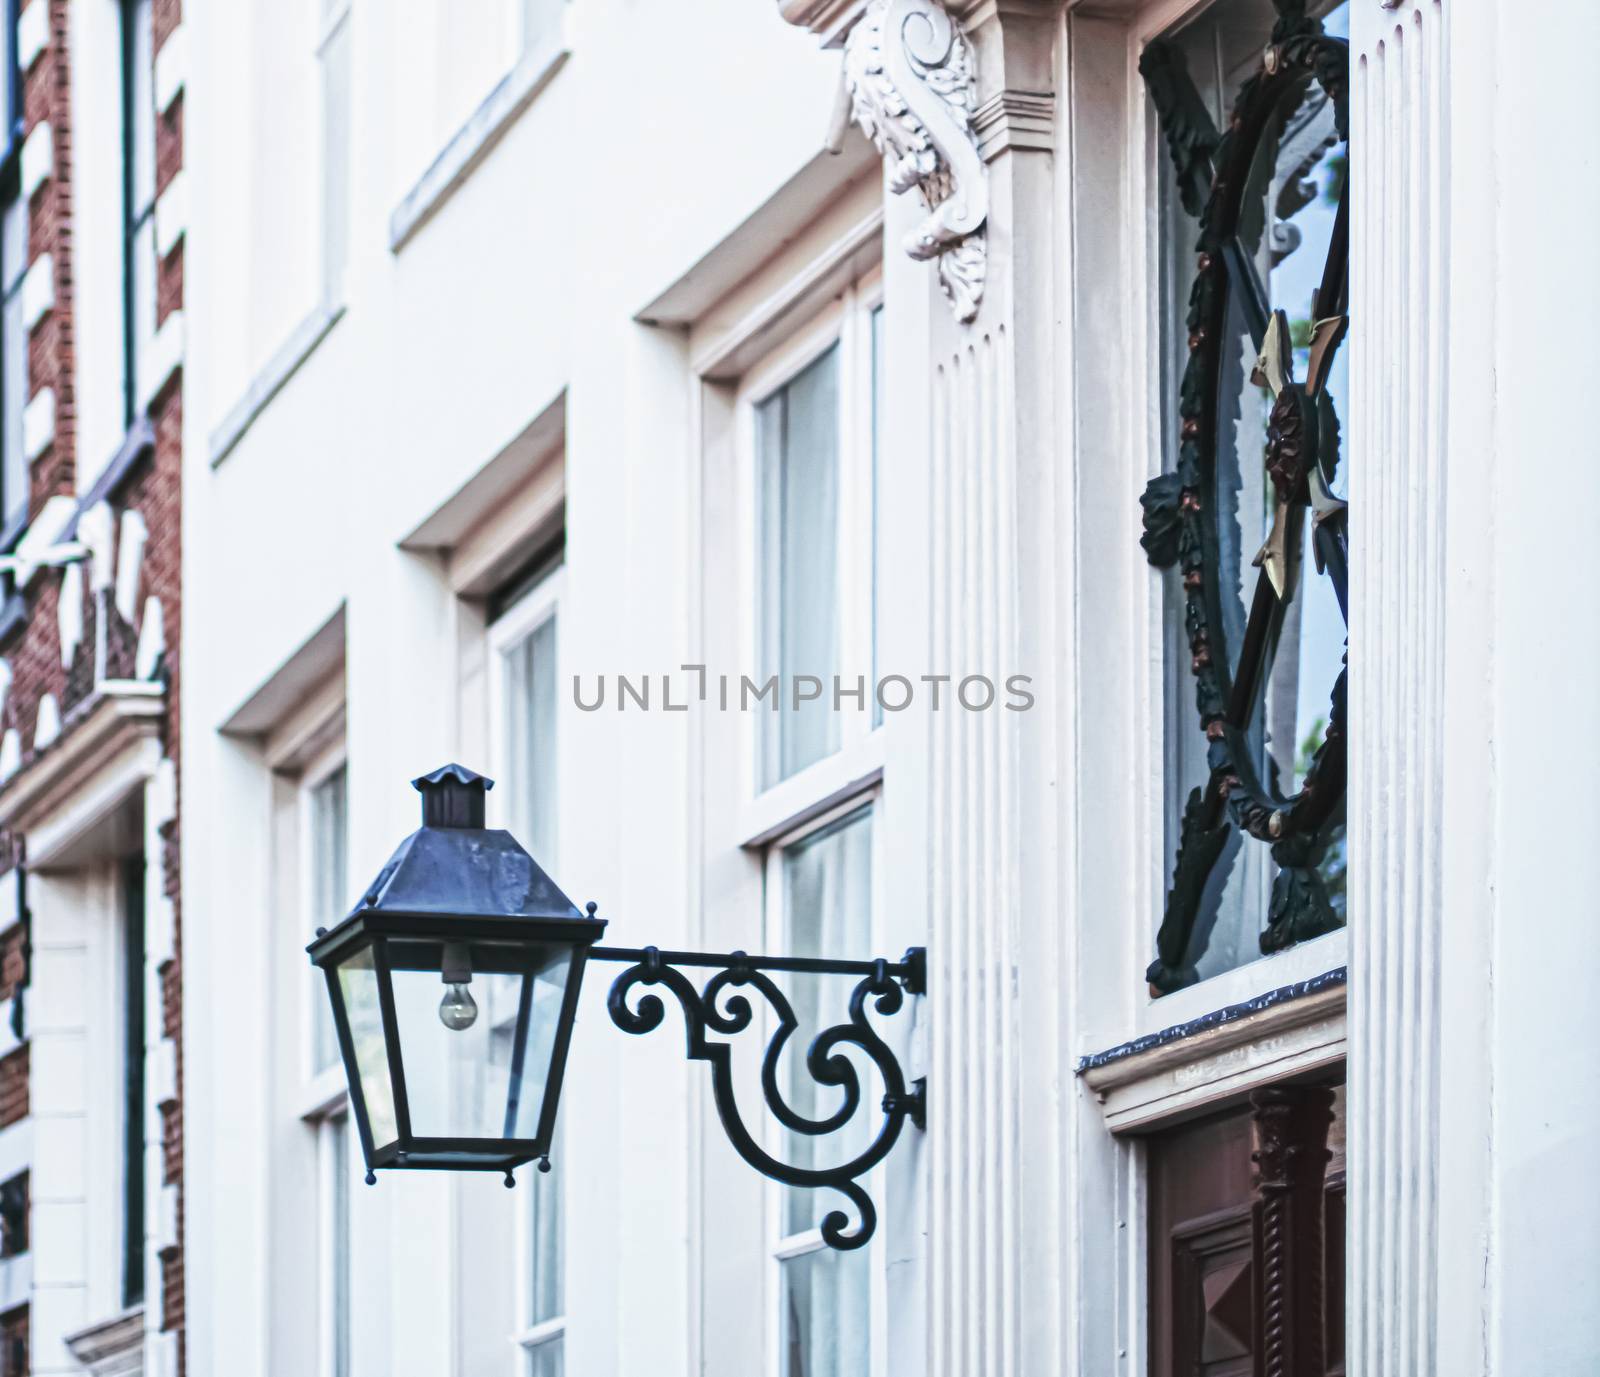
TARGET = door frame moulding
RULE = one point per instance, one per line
(1191, 1067)
(101, 756)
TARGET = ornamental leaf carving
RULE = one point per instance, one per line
(908, 69)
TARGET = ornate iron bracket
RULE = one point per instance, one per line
(719, 1008)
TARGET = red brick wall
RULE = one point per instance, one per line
(47, 95)
(13, 959)
(160, 502)
(14, 1342)
(14, 1087)
(153, 488)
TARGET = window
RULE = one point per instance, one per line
(138, 198)
(1248, 517)
(14, 1216)
(544, 1291)
(524, 699)
(526, 643)
(333, 1148)
(333, 60)
(799, 458)
(327, 825)
(537, 20)
(821, 883)
(815, 458)
(879, 415)
(13, 267)
(133, 1052)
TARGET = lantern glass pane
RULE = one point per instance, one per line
(358, 984)
(485, 1080)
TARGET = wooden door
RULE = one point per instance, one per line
(1247, 1240)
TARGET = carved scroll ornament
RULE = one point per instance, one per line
(908, 69)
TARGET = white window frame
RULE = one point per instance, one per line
(526, 38)
(532, 610)
(541, 603)
(318, 751)
(333, 25)
(1146, 158)
(777, 934)
(858, 761)
(533, 59)
(535, 1335)
(323, 1088)
(330, 1127)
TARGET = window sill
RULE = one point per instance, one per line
(272, 379)
(325, 1093)
(139, 441)
(815, 790)
(1301, 962)
(545, 1332)
(109, 1346)
(473, 142)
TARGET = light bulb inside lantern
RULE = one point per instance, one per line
(458, 1009)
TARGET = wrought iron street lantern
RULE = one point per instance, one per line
(454, 983)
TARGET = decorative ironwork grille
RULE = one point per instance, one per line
(1242, 185)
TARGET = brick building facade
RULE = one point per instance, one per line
(90, 1104)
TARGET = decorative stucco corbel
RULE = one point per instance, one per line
(908, 69)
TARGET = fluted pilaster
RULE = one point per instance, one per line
(1399, 578)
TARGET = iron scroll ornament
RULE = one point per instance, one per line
(721, 1008)
(1301, 453)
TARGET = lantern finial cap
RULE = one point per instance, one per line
(453, 796)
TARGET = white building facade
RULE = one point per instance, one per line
(560, 372)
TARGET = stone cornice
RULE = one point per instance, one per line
(111, 1347)
(974, 12)
(1015, 119)
(121, 713)
(1269, 1014)
(830, 20)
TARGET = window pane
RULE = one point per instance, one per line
(1286, 229)
(540, 20)
(339, 1186)
(139, 194)
(138, 78)
(335, 59)
(10, 85)
(879, 413)
(13, 356)
(546, 1360)
(827, 882)
(358, 986)
(329, 899)
(546, 1232)
(826, 1297)
(798, 462)
(530, 670)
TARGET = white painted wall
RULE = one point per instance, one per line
(663, 129)
(1021, 1216)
